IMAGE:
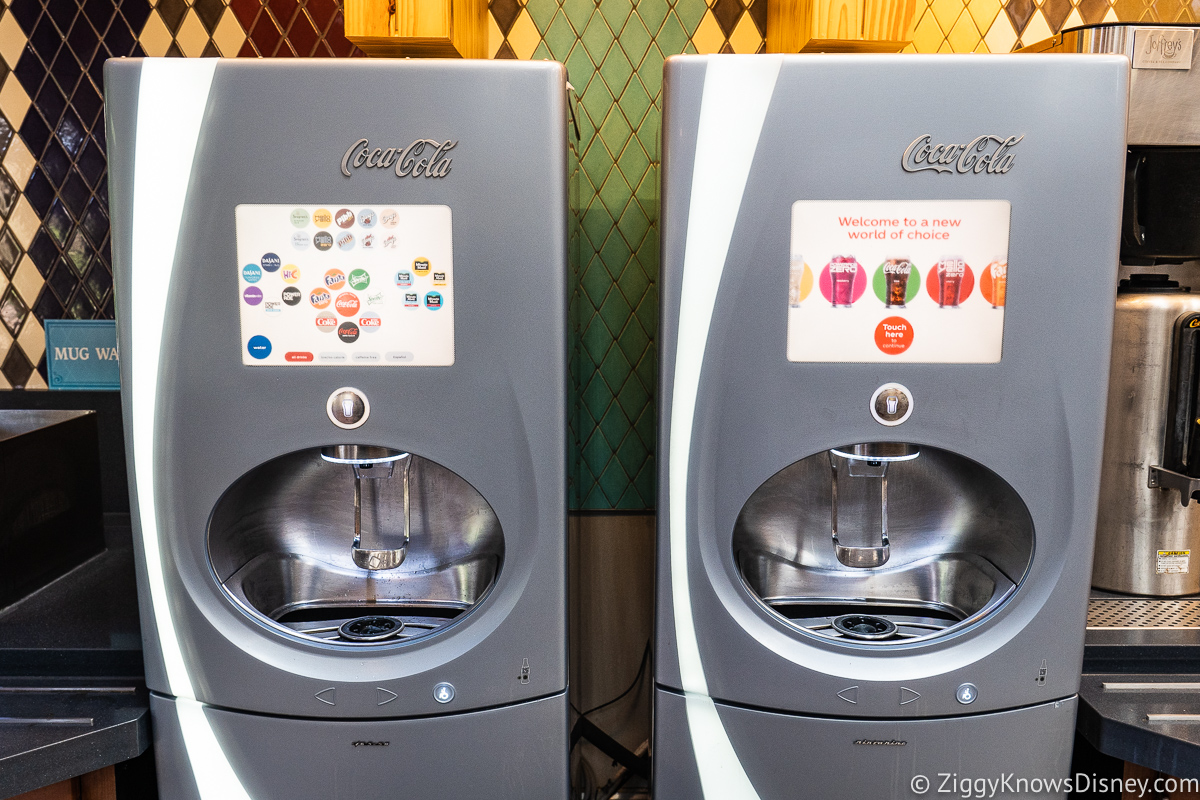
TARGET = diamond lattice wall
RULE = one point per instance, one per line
(54, 249)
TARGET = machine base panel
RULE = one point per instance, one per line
(516, 752)
(789, 756)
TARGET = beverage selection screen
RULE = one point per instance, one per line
(898, 280)
(367, 285)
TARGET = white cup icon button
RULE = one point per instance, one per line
(347, 408)
(891, 404)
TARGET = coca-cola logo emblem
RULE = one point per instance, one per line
(424, 158)
(984, 154)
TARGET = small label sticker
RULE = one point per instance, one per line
(1163, 48)
(1172, 562)
(82, 354)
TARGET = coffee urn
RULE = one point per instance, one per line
(1148, 525)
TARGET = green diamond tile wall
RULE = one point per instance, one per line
(54, 249)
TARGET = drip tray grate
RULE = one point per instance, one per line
(1142, 613)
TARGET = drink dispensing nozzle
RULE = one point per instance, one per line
(868, 460)
(374, 465)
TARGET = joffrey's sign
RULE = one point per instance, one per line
(424, 158)
(987, 154)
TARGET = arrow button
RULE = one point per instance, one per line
(849, 694)
(327, 696)
(385, 696)
(908, 695)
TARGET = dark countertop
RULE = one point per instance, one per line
(71, 659)
(51, 732)
(1125, 721)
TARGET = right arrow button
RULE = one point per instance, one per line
(908, 696)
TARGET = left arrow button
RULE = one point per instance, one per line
(327, 696)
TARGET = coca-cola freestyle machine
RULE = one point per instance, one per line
(884, 357)
(342, 314)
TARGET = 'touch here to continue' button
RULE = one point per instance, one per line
(298, 356)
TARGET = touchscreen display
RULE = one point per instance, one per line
(898, 280)
(368, 285)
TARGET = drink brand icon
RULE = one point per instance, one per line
(983, 154)
(323, 240)
(844, 281)
(259, 347)
(347, 304)
(994, 283)
(433, 301)
(344, 218)
(291, 295)
(320, 298)
(895, 276)
(335, 279)
(424, 158)
(950, 281)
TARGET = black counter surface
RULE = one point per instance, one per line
(72, 693)
(1140, 696)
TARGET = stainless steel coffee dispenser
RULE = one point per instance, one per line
(1149, 525)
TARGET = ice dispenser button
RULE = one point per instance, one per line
(891, 404)
(966, 694)
(443, 692)
(348, 407)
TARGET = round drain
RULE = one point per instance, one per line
(864, 626)
(371, 629)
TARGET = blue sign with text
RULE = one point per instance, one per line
(82, 354)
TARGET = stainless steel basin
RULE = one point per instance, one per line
(280, 546)
(961, 540)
